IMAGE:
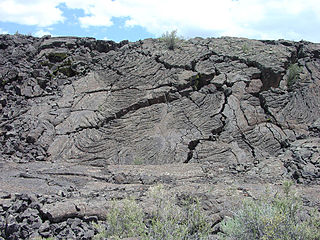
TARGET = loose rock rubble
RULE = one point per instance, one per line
(24, 217)
(85, 121)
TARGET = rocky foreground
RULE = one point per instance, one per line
(85, 121)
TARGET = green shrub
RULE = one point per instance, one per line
(168, 220)
(57, 56)
(102, 233)
(138, 161)
(170, 39)
(272, 218)
(293, 74)
(245, 48)
(125, 219)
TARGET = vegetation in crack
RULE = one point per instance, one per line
(66, 69)
(55, 57)
(200, 80)
(293, 73)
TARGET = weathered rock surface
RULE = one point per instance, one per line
(86, 121)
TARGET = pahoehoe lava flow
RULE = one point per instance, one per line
(84, 121)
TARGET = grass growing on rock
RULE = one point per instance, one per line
(57, 56)
(293, 74)
(168, 219)
(272, 218)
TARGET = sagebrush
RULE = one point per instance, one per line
(272, 218)
(171, 39)
(168, 220)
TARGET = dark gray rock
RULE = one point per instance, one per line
(11, 229)
(86, 121)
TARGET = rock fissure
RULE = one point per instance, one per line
(269, 77)
(245, 140)
(173, 66)
(273, 134)
(263, 105)
(165, 98)
(191, 146)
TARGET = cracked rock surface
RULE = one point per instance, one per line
(85, 121)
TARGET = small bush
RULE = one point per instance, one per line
(102, 233)
(245, 48)
(138, 161)
(167, 221)
(125, 219)
(170, 39)
(170, 221)
(293, 74)
(272, 218)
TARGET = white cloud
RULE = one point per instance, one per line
(41, 33)
(98, 12)
(95, 20)
(247, 18)
(31, 12)
(3, 31)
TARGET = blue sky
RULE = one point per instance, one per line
(139, 19)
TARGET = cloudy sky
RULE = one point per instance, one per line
(139, 19)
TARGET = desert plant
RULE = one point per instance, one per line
(171, 39)
(102, 233)
(125, 219)
(293, 74)
(138, 161)
(168, 220)
(272, 218)
(245, 48)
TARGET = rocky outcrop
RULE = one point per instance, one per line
(86, 121)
